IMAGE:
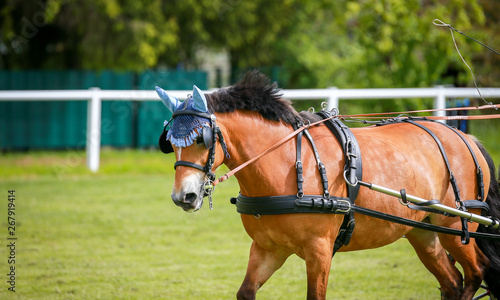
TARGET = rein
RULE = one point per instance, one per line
(440, 23)
(273, 147)
(493, 106)
(367, 116)
(446, 118)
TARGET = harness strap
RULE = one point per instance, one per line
(485, 208)
(478, 204)
(453, 182)
(480, 185)
(288, 204)
(352, 173)
(188, 164)
(479, 178)
(352, 153)
(420, 206)
(221, 141)
(421, 225)
(274, 205)
(321, 166)
(298, 166)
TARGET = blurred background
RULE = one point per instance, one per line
(300, 44)
(115, 234)
(110, 44)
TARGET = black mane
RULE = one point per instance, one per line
(254, 92)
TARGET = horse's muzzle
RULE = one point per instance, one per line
(187, 201)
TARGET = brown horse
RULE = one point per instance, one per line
(252, 116)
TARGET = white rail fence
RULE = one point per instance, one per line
(95, 96)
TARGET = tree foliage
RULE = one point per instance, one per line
(391, 43)
(363, 43)
(94, 34)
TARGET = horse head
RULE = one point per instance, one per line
(192, 135)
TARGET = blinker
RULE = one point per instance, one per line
(165, 145)
(207, 135)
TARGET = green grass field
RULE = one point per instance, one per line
(117, 235)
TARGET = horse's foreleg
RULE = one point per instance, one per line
(261, 265)
(436, 260)
(318, 257)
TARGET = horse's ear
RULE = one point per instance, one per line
(200, 102)
(169, 101)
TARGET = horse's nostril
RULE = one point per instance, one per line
(190, 198)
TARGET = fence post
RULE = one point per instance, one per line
(94, 130)
(333, 98)
(440, 102)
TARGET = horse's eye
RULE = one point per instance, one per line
(199, 140)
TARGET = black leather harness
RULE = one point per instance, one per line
(300, 203)
(326, 203)
(353, 172)
(462, 205)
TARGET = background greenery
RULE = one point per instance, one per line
(348, 44)
(117, 235)
(299, 43)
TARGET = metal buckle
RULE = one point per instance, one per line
(346, 211)
(350, 146)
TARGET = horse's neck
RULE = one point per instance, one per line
(247, 135)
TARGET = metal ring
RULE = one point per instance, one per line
(334, 111)
(324, 105)
(257, 216)
(404, 203)
(348, 182)
(208, 186)
(307, 123)
(311, 110)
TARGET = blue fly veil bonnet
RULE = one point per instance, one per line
(190, 120)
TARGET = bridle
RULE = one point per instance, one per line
(209, 136)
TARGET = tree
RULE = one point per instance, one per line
(94, 34)
(391, 43)
(345, 43)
